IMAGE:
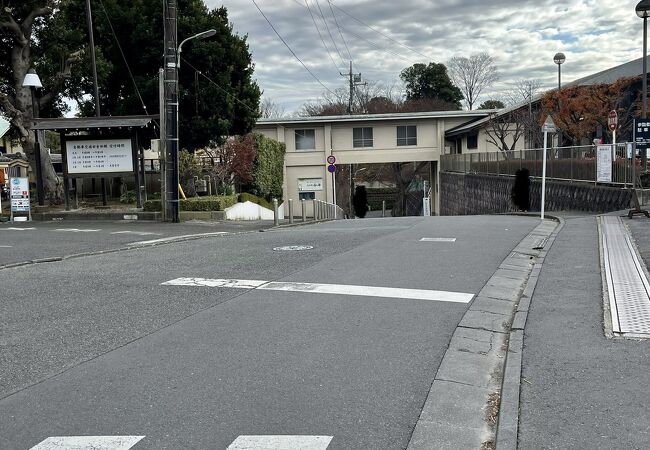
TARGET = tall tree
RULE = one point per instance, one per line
(24, 44)
(473, 75)
(492, 104)
(431, 82)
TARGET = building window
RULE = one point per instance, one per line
(472, 141)
(362, 137)
(407, 135)
(306, 195)
(305, 140)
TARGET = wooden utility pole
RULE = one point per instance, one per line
(171, 111)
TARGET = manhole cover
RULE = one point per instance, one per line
(292, 248)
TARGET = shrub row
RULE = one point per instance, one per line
(212, 203)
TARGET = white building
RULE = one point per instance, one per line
(359, 139)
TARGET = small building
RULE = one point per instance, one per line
(356, 140)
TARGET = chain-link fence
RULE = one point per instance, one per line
(562, 163)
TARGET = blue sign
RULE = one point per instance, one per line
(331, 168)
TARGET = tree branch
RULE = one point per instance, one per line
(16, 116)
(29, 20)
(15, 29)
(59, 78)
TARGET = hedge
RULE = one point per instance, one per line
(212, 203)
(268, 167)
(247, 197)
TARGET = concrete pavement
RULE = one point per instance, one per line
(578, 388)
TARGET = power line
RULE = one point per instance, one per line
(340, 32)
(291, 50)
(329, 32)
(321, 36)
(377, 46)
(378, 31)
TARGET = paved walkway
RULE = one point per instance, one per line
(580, 389)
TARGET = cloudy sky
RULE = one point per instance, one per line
(385, 36)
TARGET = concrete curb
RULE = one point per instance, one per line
(462, 407)
(508, 420)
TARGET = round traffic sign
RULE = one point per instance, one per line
(331, 168)
(612, 120)
(331, 159)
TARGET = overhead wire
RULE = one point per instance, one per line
(290, 49)
(329, 31)
(378, 31)
(321, 36)
(340, 32)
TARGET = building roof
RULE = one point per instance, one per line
(374, 117)
(88, 123)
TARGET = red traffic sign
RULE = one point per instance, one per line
(331, 159)
(612, 120)
(331, 168)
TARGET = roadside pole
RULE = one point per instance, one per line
(548, 127)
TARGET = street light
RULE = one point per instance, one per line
(33, 82)
(172, 125)
(643, 10)
(559, 59)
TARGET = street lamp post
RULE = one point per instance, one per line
(33, 82)
(173, 127)
(559, 59)
(643, 10)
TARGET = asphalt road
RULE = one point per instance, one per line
(27, 241)
(99, 346)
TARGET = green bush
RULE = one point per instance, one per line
(212, 203)
(268, 167)
(127, 197)
(247, 197)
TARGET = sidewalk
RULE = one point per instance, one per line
(579, 389)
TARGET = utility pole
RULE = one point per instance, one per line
(93, 60)
(354, 80)
(171, 111)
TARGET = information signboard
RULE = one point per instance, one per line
(310, 184)
(19, 197)
(96, 156)
(642, 132)
(604, 170)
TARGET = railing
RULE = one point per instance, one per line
(563, 163)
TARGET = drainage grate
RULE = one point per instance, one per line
(627, 284)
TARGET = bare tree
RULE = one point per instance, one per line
(472, 75)
(270, 109)
(505, 130)
(522, 91)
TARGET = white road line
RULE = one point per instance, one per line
(438, 240)
(17, 229)
(5, 246)
(237, 284)
(280, 443)
(177, 238)
(88, 443)
(138, 233)
(77, 230)
(336, 289)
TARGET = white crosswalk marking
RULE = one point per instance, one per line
(76, 230)
(88, 443)
(438, 240)
(138, 233)
(280, 443)
(5, 246)
(18, 229)
(320, 288)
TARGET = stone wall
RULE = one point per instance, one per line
(467, 194)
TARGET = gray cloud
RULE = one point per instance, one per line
(522, 36)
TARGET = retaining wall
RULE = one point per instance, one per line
(467, 194)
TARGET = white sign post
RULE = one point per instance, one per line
(19, 195)
(548, 127)
(604, 161)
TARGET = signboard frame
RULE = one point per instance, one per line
(19, 198)
(604, 163)
(312, 189)
(642, 139)
(71, 139)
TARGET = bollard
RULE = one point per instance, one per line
(383, 208)
(290, 211)
(304, 210)
(315, 208)
(276, 215)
